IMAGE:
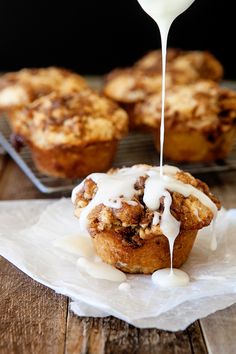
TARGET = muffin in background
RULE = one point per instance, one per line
(200, 121)
(24, 86)
(132, 85)
(194, 65)
(127, 234)
(70, 135)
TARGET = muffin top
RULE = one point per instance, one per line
(21, 87)
(74, 119)
(202, 106)
(138, 203)
(194, 64)
(134, 84)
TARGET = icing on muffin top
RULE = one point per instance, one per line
(141, 199)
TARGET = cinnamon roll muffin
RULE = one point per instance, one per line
(200, 121)
(70, 135)
(131, 213)
(132, 85)
(24, 86)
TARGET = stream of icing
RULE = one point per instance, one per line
(164, 12)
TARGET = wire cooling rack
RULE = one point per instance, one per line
(135, 148)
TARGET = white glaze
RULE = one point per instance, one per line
(77, 245)
(170, 278)
(89, 262)
(124, 287)
(164, 12)
(100, 270)
(213, 245)
(156, 218)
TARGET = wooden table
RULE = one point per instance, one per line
(34, 319)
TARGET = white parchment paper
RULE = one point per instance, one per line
(29, 229)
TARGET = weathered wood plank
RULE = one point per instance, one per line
(33, 317)
(196, 339)
(110, 335)
(2, 162)
(15, 185)
(219, 331)
(219, 328)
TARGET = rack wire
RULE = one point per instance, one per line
(134, 149)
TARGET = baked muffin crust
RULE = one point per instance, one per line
(194, 64)
(133, 84)
(24, 86)
(134, 220)
(202, 106)
(75, 119)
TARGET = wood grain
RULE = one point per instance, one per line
(219, 330)
(198, 345)
(33, 317)
(110, 335)
(14, 184)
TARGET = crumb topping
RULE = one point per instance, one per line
(134, 84)
(71, 119)
(21, 87)
(134, 221)
(202, 106)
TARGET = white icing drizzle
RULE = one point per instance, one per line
(156, 218)
(124, 287)
(213, 245)
(82, 246)
(100, 270)
(164, 13)
(170, 278)
(77, 245)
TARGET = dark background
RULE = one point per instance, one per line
(94, 36)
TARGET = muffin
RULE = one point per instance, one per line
(132, 85)
(200, 121)
(131, 212)
(24, 86)
(70, 135)
(184, 66)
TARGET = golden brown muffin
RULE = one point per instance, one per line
(24, 86)
(71, 135)
(132, 85)
(126, 236)
(200, 121)
(184, 66)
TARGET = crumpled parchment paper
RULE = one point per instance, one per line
(29, 230)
